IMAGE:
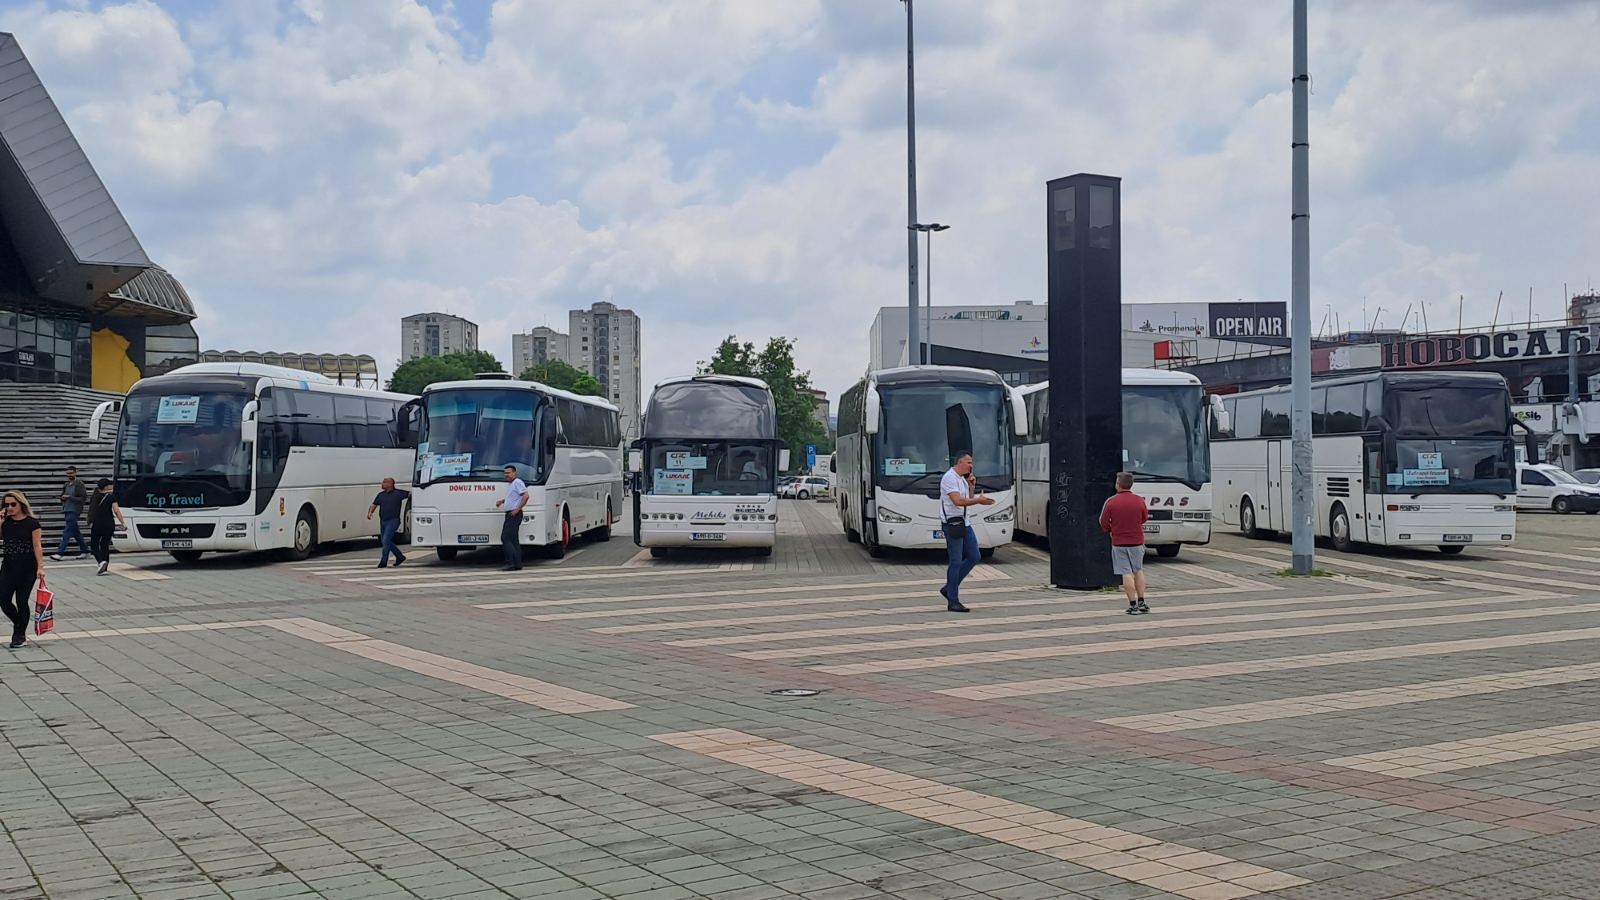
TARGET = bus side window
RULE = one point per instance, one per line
(350, 421)
(1319, 404)
(1375, 479)
(1247, 418)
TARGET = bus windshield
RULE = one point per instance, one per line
(472, 435)
(924, 426)
(180, 448)
(709, 468)
(1448, 411)
(1164, 434)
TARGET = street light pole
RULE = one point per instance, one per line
(1303, 548)
(926, 349)
(914, 355)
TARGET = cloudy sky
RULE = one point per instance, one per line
(314, 169)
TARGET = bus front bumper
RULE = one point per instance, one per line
(688, 534)
(1423, 530)
(922, 533)
(203, 534)
(1184, 532)
(431, 528)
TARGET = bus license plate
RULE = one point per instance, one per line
(472, 539)
(1152, 529)
(1458, 538)
(177, 545)
(706, 536)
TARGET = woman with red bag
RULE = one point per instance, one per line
(21, 562)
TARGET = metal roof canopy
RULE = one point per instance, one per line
(73, 242)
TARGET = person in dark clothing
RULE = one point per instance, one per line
(104, 517)
(21, 563)
(1123, 518)
(390, 506)
(73, 497)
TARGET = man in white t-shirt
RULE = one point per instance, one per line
(511, 529)
(955, 497)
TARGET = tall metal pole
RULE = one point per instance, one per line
(1304, 506)
(928, 332)
(916, 354)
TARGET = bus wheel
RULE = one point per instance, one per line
(1451, 549)
(305, 536)
(186, 556)
(658, 553)
(1561, 505)
(1339, 529)
(986, 553)
(1247, 519)
(446, 554)
(1168, 551)
(763, 551)
(603, 533)
(559, 548)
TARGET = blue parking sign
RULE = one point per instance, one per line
(811, 456)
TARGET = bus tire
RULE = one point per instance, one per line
(446, 554)
(1168, 551)
(763, 551)
(304, 536)
(658, 553)
(1561, 505)
(603, 533)
(1451, 549)
(1339, 529)
(1247, 519)
(986, 553)
(558, 550)
(186, 556)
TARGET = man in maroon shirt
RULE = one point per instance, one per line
(1123, 518)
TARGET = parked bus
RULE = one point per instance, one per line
(567, 448)
(707, 465)
(899, 431)
(242, 456)
(1165, 444)
(1399, 459)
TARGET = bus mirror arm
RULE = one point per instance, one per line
(783, 460)
(1019, 412)
(109, 407)
(248, 424)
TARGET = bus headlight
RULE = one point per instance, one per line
(237, 526)
(1503, 507)
(1003, 515)
(892, 517)
(1191, 516)
(423, 520)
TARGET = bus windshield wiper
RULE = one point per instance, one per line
(1170, 479)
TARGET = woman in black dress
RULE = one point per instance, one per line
(21, 563)
(104, 517)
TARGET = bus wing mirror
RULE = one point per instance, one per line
(1019, 412)
(833, 463)
(404, 425)
(870, 415)
(783, 460)
(635, 461)
(248, 424)
(1219, 416)
(111, 408)
(1531, 443)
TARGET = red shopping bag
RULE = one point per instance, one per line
(44, 610)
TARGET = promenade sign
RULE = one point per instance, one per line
(1462, 349)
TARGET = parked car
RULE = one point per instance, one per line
(1588, 476)
(805, 488)
(1545, 486)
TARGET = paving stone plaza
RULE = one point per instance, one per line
(605, 726)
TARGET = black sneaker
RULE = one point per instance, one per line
(382, 565)
(1133, 609)
(945, 594)
(1141, 608)
(18, 643)
(956, 608)
(398, 561)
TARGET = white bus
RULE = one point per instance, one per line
(1165, 444)
(899, 430)
(567, 448)
(707, 465)
(1399, 458)
(241, 456)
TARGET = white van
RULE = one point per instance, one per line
(1544, 486)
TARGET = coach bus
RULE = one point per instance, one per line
(1399, 459)
(1165, 444)
(899, 431)
(707, 465)
(566, 448)
(242, 456)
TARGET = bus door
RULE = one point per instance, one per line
(1276, 518)
(1372, 457)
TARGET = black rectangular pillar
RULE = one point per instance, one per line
(1085, 296)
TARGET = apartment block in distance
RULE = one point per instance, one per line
(435, 334)
(539, 345)
(603, 340)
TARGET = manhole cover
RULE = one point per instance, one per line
(794, 692)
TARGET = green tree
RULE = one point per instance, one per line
(774, 364)
(558, 374)
(412, 376)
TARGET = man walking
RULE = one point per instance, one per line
(956, 494)
(73, 495)
(511, 529)
(389, 505)
(1123, 518)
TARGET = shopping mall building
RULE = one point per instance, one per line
(80, 302)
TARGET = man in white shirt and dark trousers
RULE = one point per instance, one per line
(955, 496)
(511, 529)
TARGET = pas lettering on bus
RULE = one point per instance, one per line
(1169, 501)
